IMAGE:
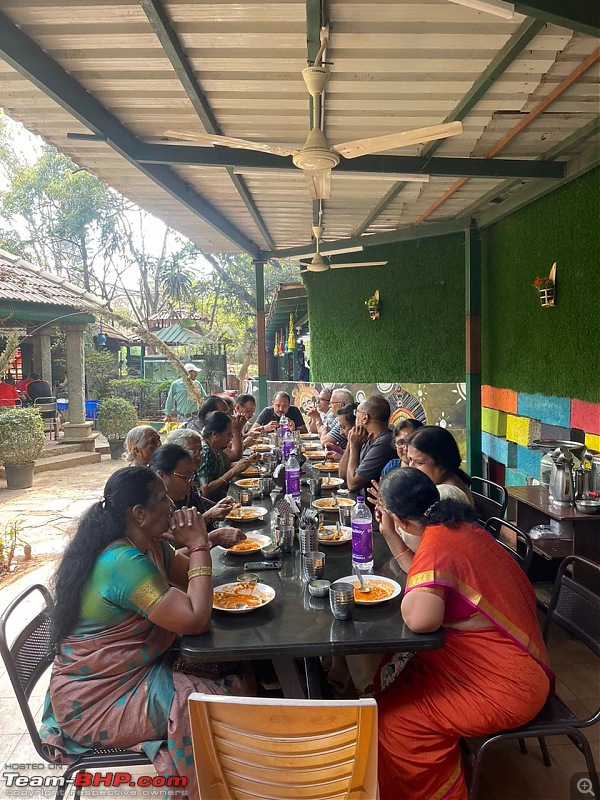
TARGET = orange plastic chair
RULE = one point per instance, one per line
(274, 749)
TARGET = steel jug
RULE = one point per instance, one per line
(561, 486)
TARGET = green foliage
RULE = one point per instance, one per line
(21, 435)
(420, 334)
(101, 367)
(527, 348)
(9, 533)
(141, 393)
(116, 417)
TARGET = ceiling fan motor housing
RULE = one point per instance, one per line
(316, 155)
(315, 79)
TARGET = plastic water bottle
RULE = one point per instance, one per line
(362, 536)
(292, 476)
(283, 426)
(288, 445)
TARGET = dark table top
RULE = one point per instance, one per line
(537, 497)
(298, 625)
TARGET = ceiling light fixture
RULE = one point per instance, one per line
(497, 7)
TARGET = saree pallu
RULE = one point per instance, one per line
(479, 682)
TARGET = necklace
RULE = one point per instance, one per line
(133, 544)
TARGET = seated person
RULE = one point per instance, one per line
(122, 597)
(217, 403)
(402, 432)
(176, 467)
(369, 444)
(269, 417)
(332, 435)
(8, 394)
(345, 421)
(37, 388)
(458, 578)
(245, 404)
(215, 472)
(321, 414)
(140, 444)
(434, 451)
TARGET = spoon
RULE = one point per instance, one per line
(363, 586)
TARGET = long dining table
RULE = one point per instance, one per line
(295, 628)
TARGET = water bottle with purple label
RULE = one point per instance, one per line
(292, 476)
(288, 445)
(283, 426)
(362, 536)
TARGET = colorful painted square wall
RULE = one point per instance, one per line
(510, 421)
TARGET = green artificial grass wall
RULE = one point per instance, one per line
(550, 351)
(419, 337)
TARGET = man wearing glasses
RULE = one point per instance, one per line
(331, 435)
(369, 444)
(321, 414)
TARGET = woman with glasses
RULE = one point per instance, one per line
(402, 433)
(492, 670)
(123, 594)
(175, 465)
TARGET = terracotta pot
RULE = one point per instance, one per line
(19, 476)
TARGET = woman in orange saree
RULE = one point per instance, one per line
(492, 670)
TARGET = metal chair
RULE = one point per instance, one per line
(47, 408)
(26, 659)
(490, 499)
(522, 552)
(576, 609)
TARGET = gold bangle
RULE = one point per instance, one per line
(403, 553)
(199, 572)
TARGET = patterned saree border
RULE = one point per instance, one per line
(449, 785)
(476, 599)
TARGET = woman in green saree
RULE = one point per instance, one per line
(122, 594)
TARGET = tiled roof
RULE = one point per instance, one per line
(23, 282)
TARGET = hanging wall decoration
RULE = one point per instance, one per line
(291, 342)
(276, 347)
(373, 305)
(547, 288)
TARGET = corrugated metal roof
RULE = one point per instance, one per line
(177, 335)
(23, 282)
(394, 66)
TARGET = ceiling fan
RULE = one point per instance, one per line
(317, 157)
(319, 264)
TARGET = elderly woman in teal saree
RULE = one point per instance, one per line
(121, 594)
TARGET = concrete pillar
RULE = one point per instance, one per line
(42, 356)
(76, 429)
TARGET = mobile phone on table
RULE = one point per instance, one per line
(254, 565)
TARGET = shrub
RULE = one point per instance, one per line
(116, 417)
(22, 435)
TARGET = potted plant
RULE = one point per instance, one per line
(22, 440)
(116, 417)
(373, 305)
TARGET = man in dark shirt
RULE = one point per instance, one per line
(37, 388)
(269, 417)
(369, 444)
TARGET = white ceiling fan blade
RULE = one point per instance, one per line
(230, 141)
(358, 264)
(328, 253)
(363, 147)
(319, 184)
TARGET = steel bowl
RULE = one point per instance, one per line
(588, 506)
(270, 552)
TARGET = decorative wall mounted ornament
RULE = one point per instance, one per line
(547, 288)
(373, 305)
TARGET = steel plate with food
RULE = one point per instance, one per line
(329, 482)
(251, 471)
(260, 448)
(316, 454)
(327, 466)
(382, 589)
(248, 483)
(331, 534)
(247, 513)
(309, 435)
(333, 503)
(242, 596)
(252, 544)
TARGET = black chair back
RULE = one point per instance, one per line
(522, 552)
(29, 655)
(490, 499)
(575, 607)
